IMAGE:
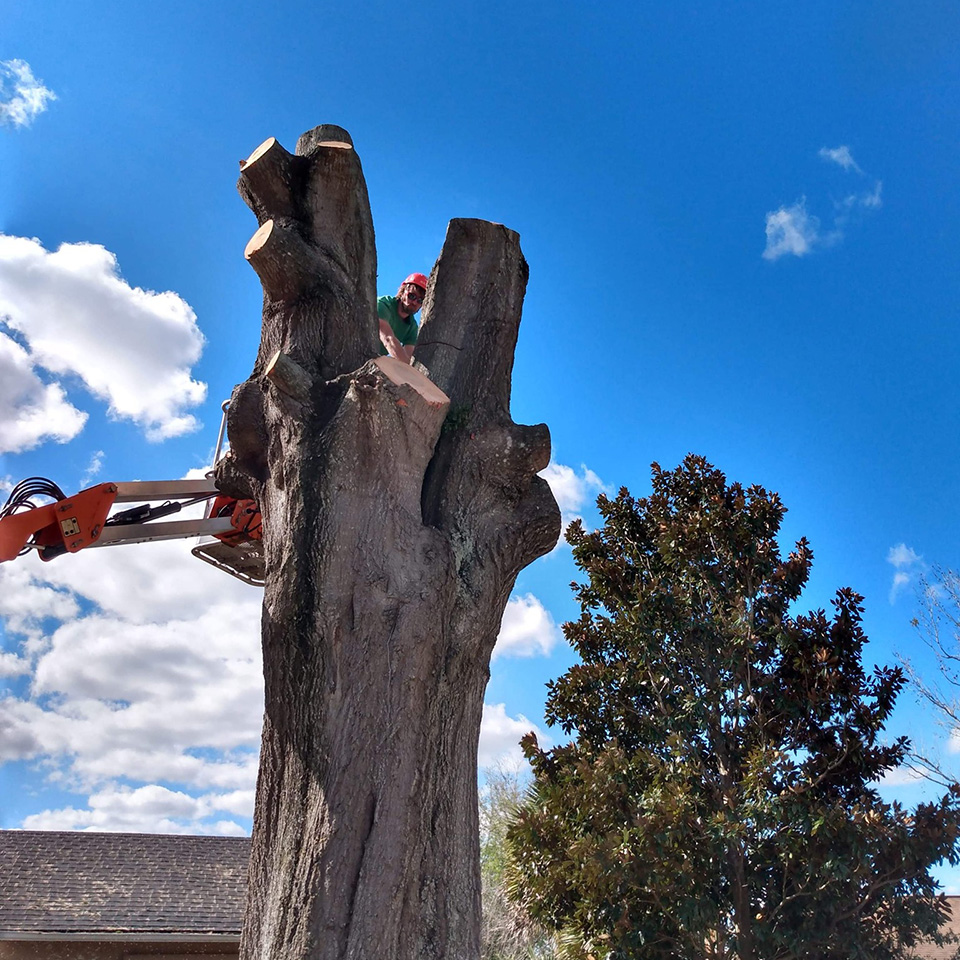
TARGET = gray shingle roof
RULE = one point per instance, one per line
(121, 883)
(929, 951)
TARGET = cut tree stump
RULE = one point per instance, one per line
(399, 506)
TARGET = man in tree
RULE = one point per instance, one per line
(718, 799)
(398, 326)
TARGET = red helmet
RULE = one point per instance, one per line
(418, 278)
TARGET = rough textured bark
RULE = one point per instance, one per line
(395, 522)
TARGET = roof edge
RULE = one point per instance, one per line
(117, 936)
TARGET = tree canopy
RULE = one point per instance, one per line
(718, 798)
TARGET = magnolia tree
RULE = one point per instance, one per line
(719, 797)
(399, 504)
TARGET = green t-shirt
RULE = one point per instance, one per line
(405, 330)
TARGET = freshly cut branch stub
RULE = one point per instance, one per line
(258, 240)
(267, 181)
(398, 372)
(288, 376)
(286, 264)
(267, 144)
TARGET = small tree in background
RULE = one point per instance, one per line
(507, 931)
(717, 799)
(938, 623)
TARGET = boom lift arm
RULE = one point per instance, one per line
(70, 524)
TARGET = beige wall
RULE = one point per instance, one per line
(93, 950)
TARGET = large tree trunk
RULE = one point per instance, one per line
(397, 515)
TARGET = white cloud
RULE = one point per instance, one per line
(93, 468)
(148, 691)
(22, 96)
(239, 802)
(132, 348)
(873, 199)
(145, 693)
(149, 809)
(842, 156)
(907, 563)
(573, 491)
(147, 583)
(900, 580)
(791, 230)
(500, 738)
(902, 556)
(902, 776)
(526, 630)
(845, 209)
(13, 666)
(31, 411)
(26, 599)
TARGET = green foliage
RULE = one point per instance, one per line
(717, 799)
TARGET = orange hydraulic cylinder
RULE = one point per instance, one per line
(67, 525)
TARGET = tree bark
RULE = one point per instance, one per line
(397, 514)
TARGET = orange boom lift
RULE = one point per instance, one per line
(232, 529)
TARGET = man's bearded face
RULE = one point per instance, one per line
(411, 297)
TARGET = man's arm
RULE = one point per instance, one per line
(393, 346)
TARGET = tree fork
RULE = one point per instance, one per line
(398, 511)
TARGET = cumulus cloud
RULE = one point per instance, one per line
(13, 666)
(76, 316)
(27, 600)
(500, 738)
(573, 491)
(31, 411)
(791, 230)
(526, 630)
(145, 692)
(145, 687)
(152, 583)
(149, 809)
(22, 96)
(907, 564)
(841, 156)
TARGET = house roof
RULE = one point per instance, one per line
(131, 885)
(930, 951)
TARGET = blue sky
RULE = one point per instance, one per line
(741, 224)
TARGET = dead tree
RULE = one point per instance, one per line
(398, 511)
